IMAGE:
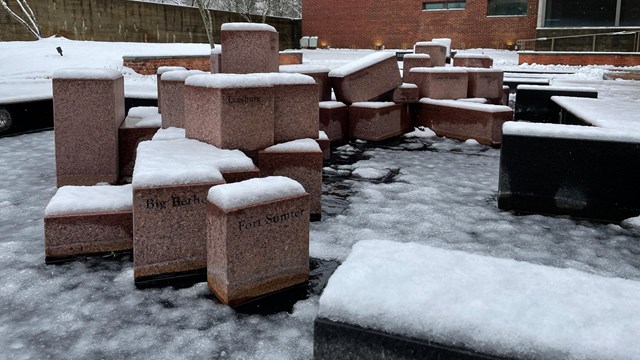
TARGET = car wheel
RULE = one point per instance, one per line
(6, 121)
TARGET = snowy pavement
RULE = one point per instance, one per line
(428, 190)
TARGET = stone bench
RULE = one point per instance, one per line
(171, 180)
(581, 171)
(375, 121)
(88, 109)
(366, 78)
(81, 220)
(334, 119)
(411, 301)
(318, 73)
(464, 120)
(230, 111)
(257, 238)
(171, 96)
(618, 114)
(436, 51)
(485, 83)
(300, 160)
(249, 48)
(140, 124)
(440, 82)
(533, 103)
(473, 60)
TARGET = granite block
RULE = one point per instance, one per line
(303, 164)
(257, 249)
(295, 108)
(173, 97)
(440, 83)
(88, 108)
(375, 121)
(161, 70)
(319, 74)
(464, 120)
(249, 48)
(334, 120)
(533, 102)
(485, 83)
(473, 60)
(406, 93)
(370, 77)
(437, 52)
(411, 61)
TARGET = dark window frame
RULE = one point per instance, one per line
(445, 5)
(491, 5)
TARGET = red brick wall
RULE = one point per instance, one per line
(149, 66)
(632, 59)
(401, 23)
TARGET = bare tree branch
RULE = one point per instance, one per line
(33, 27)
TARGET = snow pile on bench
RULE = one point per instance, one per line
(90, 199)
(491, 305)
(254, 191)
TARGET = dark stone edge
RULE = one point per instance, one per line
(60, 260)
(161, 57)
(339, 340)
(177, 280)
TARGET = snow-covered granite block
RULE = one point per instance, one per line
(216, 60)
(410, 61)
(406, 93)
(82, 220)
(141, 124)
(249, 48)
(230, 111)
(533, 102)
(464, 120)
(161, 70)
(325, 145)
(171, 180)
(375, 121)
(411, 301)
(318, 73)
(300, 160)
(582, 171)
(334, 119)
(366, 78)
(88, 109)
(436, 51)
(257, 238)
(473, 60)
(440, 82)
(171, 92)
(295, 106)
(485, 83)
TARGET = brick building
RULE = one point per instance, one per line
(469, 23)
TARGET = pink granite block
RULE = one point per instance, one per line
(473, 60)
(172, 89)
(366, 78)
(230, 111)
(334, 119)
(295, 106)
(325, 146)
(375, 121)
(171, 180)
(436, 51)
(161, 70)
(82, 220)
(485, 83)
(300, 160)
(406, 93)
(249, 48)
(88, 108)
(410, 61)
(257, 238)
(290, 57)
(216, 60)
(319, 74)
(441, 82)
(464, 120)
(140, 125)
(407, 116)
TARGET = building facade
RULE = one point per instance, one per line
(469, 23)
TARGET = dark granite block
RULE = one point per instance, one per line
(583, 178)
(533, 103)
(333, 340)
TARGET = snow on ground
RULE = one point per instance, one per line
(424, 189)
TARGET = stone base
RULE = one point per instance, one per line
(79, 234)
(375, 124)
(589, 179)
(333, 340)
(178, 280)
(334, 120)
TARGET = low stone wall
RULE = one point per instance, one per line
(148, 65)
(578, 58)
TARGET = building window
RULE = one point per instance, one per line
(579, 13)
(444, 5)
(507, 7)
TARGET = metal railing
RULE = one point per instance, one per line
(522, 44)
